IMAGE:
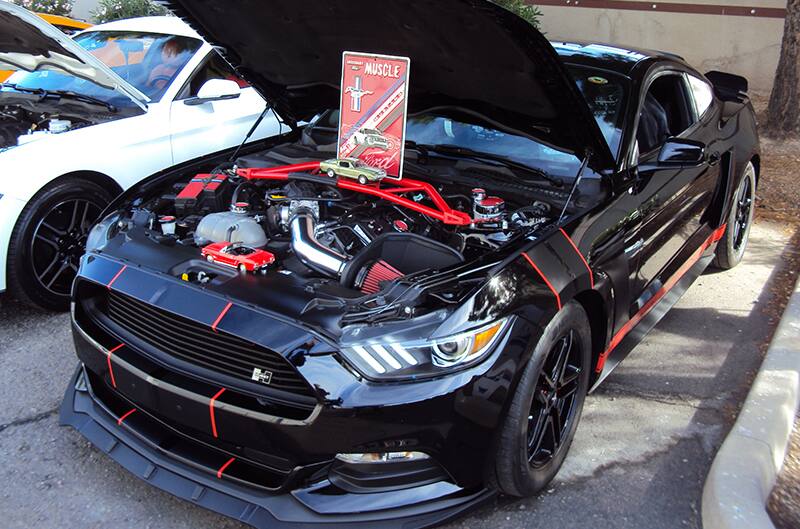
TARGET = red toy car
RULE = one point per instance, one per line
(237, 255)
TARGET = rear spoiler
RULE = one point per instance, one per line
(728, 87)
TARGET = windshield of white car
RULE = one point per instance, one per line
(148, 61)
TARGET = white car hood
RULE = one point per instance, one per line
(29, 43)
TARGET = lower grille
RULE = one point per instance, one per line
(198, 344)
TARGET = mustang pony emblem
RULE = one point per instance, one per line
(356, 93)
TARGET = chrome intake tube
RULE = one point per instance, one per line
(309, 250)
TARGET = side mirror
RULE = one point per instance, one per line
(678, 151)
(215, 90)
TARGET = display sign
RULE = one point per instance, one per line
(372, 120)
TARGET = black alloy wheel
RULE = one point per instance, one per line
(543, 416)
(555, 401)
(58, 243)
(731, 248)
(49, 239)
(743, 205)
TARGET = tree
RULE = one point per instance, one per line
(108, 10)
(51, 7)
(783, 113)
(523, 9)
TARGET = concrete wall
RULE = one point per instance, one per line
(744, 45)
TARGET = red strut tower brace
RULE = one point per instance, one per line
(392, 192)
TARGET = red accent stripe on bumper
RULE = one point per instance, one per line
(211, 412)
(119, 421)
(223, 467)
(116, 276)
(652, 302)
(544, 278)
(110, 367)
(221, 315)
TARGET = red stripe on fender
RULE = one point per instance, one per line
(223, 467)
(110, 367)
(544, 278)
(221, 315)
(585, 263)
(652, 302)
(211, 412)
(116, 276)
(119, 421)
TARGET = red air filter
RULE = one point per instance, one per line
(372, 275)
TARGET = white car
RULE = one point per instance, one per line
(77, 128)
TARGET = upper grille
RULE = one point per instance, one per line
(198, 344)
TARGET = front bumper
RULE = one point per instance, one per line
(81, 410)
(158, 415)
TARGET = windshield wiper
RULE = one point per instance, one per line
(483, 157)
(62, 93)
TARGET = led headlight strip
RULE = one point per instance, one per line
(421, 358)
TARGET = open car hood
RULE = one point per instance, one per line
(468, 55)
(29, 43)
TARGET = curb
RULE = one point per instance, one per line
(747, 464)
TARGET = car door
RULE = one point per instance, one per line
(198, 129)
(672, 198)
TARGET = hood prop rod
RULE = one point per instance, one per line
(257, 122)
(575, 184)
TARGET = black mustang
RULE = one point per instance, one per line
(416, 346)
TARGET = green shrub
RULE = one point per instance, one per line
(529, 12)
(51, 7)
(108, 10)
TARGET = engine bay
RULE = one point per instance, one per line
(19, 125)
(295, 220)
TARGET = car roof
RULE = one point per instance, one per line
(166, 25)
(620, 59)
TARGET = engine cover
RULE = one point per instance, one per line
(230, 226)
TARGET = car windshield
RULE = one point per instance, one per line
(148, 61)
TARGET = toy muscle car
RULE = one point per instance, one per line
(352, 168)
(239, 256)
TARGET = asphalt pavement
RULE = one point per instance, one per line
(641, 454)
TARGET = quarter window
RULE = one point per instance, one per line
(665, 112)
(702, 94)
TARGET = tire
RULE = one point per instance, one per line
(48, 240)
(331, 173)
(362, 180)
(513, 470)
(209, 259)
(731, 248)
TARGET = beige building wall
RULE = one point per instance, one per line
(744, 45)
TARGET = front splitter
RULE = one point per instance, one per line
(257, 509)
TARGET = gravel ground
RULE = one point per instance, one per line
(784, 502)
(779, 200)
